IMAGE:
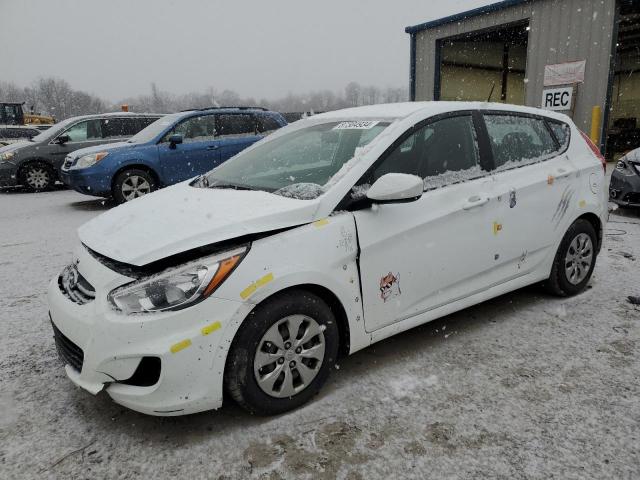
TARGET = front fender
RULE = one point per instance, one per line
(283, 261)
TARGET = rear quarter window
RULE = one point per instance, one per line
(518, 140)
(561, 131)
(267, 124)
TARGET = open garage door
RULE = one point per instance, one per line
(624, 117)
(487, 65)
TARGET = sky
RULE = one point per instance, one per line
(260, 49)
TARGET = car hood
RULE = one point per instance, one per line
(183, 217)
(100, 148)
(15, 146)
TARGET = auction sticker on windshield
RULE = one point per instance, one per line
(362, 125)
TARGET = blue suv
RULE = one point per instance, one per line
(177, 147)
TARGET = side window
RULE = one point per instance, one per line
(440, 149)
(194, 129)
(561, 131)
(84, 131)
(236, 125)
(119, 127)
(144, 122)
(267, 124)
(516, 139)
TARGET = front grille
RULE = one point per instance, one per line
(75, 287)
(632, 197)
(68, 351)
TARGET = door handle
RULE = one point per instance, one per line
(475, 201)
(212, 147)
(562, 173)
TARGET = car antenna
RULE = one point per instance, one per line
(493, 85)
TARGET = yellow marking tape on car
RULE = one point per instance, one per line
(582, 203)
(550, 180)
(210, 328)
(176, 347)
(247, 292)
(321, 223)
(496, 227)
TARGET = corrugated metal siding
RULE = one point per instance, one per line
(560, 31)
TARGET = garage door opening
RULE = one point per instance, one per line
(624, 117)
(487, 65)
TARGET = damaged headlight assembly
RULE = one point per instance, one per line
(177, 287)
(5, 157)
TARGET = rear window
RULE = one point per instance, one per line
(267, 124)
(119, 127)
(561, 131)
(236, 125)
(517, 140)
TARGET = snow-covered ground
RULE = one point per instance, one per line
(523, 386)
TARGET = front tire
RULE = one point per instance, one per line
(574, 261)
(37, 176)
(282, 354)
(131, 184)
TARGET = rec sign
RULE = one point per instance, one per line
(557, 98)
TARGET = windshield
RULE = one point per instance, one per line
(152, 131)
(297, 164)
(49, 133)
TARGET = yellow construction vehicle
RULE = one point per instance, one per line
(12, 113)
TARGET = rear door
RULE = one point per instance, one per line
(235, 132)
(533, 188)
(421, 255)
(198, 153)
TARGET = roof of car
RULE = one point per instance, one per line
(405, 109)
(229, 109)
(116, 114)
(22, 127)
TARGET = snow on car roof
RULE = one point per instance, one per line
(403, 110)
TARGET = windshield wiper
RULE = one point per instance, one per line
(233, 186)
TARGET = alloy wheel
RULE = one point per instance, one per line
(135, 186)
(578, 259)
(37, 177)
(289, 356)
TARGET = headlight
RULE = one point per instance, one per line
(178, 287)
(86, 161)
(5, 157)
(637, 167)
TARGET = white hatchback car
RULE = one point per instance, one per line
(329, 235)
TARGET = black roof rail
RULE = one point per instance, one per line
(222, 108)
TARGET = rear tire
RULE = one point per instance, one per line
(271, 369)
(574, 261)
(131, 184)
(37, 176)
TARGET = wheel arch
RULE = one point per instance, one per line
(595, 221)
(135, 165)
(27, 161)
(334, 304)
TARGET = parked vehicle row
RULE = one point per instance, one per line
(331, 234)
(177, 147)
(36, 162)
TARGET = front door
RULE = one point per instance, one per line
(87, 133)
(418, 256)
(197, 154)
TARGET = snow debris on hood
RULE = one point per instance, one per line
(450, 176)
(301, 191)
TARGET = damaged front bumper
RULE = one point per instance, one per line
(169, 363)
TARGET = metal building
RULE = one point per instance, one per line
(567, 55)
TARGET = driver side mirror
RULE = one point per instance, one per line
(174, 140)
(396, 188)
(62, 139)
